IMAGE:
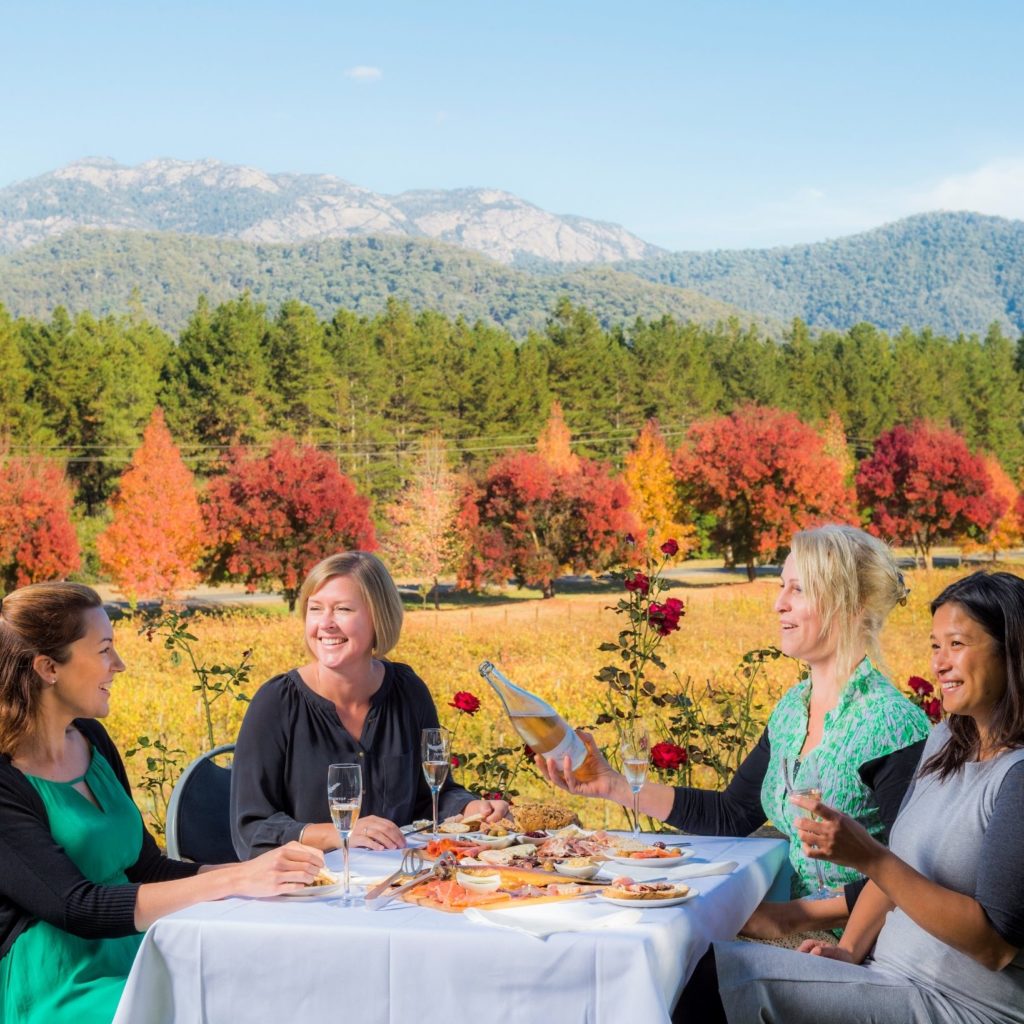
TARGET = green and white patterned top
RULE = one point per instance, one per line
(870, 720)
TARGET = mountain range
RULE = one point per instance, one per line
(98, 235)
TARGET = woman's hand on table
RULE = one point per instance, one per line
(287, 868)
(486, 810)
(836, 837)
(373, 833)
(607, 783)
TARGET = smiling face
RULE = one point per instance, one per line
(84, 681)
(968, 665)
(799, 622)
(339, 626)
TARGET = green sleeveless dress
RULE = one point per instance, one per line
(50, 976)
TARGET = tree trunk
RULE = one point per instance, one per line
(548, 588)
(437, 596)
(751, 572)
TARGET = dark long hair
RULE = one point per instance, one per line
(42, 618)
(995, 601)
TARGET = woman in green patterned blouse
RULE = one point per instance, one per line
(838, 586)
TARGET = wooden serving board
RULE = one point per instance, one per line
(433, 894)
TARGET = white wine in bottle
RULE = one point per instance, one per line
(540, 725)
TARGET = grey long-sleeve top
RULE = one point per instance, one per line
(290, 735)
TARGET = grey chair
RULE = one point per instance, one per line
(199, 813)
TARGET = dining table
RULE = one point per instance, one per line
(580, 961)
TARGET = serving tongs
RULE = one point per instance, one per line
(444, 868)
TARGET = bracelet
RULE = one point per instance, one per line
(302, 831)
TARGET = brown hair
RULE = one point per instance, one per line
(42, 618)
(995, 601)
(377, 586)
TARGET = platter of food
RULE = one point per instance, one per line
(494, 887)
(652, 856)
(625, 893)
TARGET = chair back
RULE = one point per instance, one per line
(199, 812)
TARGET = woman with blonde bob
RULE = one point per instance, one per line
(348, 704)
(80, 877)
(838, 586)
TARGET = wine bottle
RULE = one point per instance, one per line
(542, 728)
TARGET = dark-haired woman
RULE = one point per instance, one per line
(937, 934)
(80, 877)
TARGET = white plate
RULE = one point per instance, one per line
(672, 901)
(653, 862)
(315, 892)
(491, 842)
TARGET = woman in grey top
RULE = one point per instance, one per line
(936, 936)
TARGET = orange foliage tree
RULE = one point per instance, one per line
(421, 537)
(653, 493)
(271, 517)
(764, 475)
(1008, 530)
(922, 485)
(37, 537)
(155, 538)
(538, 514)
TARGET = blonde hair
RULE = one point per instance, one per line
(852, 581)
(377, 587)
(41, 618)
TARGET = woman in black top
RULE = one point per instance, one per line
(346, 705)
(80, 876)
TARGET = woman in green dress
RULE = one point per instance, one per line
(80, 877)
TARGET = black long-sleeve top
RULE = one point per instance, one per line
(737, 810)
(290, 734)
(39, 882)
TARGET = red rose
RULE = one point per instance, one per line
(933, 709)
(664, 618)
(668, 756)
(528, 751)
(455, 761)
(467, 702)
(670, 548)
(638, 583)
(920, 686)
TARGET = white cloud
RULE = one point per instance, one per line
(995, 188)
(364, 73)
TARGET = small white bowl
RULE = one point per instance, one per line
(577, 871)
(491, 842)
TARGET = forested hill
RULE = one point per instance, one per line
(953, 272)
(163, 274)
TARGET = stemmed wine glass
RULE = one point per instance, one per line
(635, 748)
(810, 785)
(436, 748)
(345, 797)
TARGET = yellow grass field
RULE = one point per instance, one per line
(546, 646)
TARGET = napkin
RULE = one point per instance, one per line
(696, 870)
(540, 922)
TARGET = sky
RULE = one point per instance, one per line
(695, 125)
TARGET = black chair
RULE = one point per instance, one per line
(199, 812)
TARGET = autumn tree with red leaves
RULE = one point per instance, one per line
(922, 485)
(653, 493)
(271, 517)
(1008, 530)
(422, 537)
(37, 537)
(539, 514)
(154, 541)
(764, 475)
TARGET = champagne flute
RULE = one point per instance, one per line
(635, 748)
(436, 748)
(345, 797)
(810, 786)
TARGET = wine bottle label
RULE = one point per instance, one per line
(570, 744)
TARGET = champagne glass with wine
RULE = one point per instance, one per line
(809, 784)
(635, 748)
(436, 748)
(345, 797)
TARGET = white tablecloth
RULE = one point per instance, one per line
(284, 960)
